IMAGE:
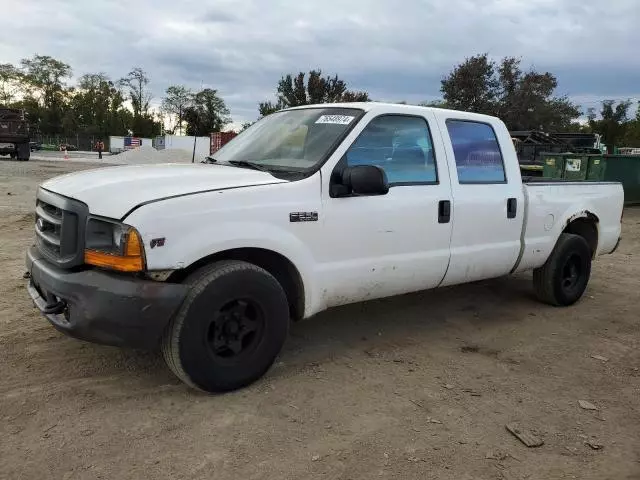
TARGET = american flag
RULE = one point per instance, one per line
(131, 142)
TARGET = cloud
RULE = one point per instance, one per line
(394, 50)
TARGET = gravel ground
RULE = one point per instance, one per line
(419, 386)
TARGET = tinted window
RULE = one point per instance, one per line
(401, 145)
(478, 156)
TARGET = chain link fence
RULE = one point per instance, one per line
(82, 142)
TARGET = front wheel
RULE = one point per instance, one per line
(562, 280)
(230, 328)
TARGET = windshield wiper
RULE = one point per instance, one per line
(246, 164)
(209, 160)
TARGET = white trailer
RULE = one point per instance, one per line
(169, 142)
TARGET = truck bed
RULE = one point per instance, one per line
(531, 180)
(550, 205)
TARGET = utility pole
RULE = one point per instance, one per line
(195, 138)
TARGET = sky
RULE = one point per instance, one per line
(396, 50)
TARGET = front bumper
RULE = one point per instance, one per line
(102, 307)
(617, 245)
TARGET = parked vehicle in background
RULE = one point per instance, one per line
(35, 146)
(14, 134)
(68, 147)
(628, 151)
(307, 209)
(590, 143)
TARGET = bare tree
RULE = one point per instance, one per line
(136, 81)
(178, 98)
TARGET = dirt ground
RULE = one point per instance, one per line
(419, 386)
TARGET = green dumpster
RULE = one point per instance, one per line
(608, 168)
(567, 166)
(575, 167)
(626, 170)
(596, 167)
(553, 165)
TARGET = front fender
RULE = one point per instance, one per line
(188, 248)
(195, 227)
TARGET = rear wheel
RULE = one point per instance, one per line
(562, 280)
(230, 328)
(24, 151)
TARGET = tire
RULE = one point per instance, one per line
(24, 152)
(204, 345)
(562, 280)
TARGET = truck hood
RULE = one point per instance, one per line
(114, 191)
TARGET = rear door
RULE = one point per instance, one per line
(488, 201)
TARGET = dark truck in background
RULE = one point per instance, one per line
(14, 134)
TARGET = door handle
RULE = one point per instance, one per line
(444, 211)
(512, 207)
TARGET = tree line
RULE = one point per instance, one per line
(524, 100)
(95, 105)
(100, 106)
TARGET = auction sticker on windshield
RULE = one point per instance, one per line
(335, 119)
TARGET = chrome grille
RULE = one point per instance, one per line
(49, 226)
(60, 228)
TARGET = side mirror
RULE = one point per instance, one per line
(365, 180)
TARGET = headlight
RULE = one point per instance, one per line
(113, 245)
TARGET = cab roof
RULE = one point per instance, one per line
(382, 107)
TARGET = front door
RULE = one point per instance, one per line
(389, 244)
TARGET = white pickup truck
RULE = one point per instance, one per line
(309, 208)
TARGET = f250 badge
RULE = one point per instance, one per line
(303, 217)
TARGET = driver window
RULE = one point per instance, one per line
(399, 144)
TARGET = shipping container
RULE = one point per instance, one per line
(219, 139)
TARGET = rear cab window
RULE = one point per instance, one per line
(477, 152)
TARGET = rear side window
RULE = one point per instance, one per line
(477, 152)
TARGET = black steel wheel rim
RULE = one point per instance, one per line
(235, 330)
(572, 272)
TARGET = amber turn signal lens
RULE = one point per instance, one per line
(133, 245)
(131, 261)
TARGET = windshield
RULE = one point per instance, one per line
(292, 140)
